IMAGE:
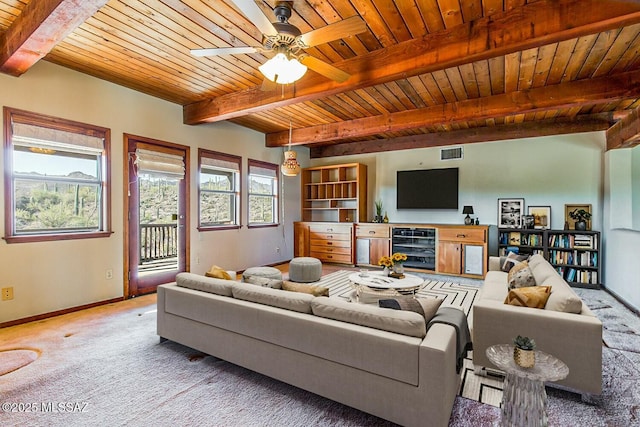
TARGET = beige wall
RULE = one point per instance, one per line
(623, 234)
(547, 171)
(51, 276)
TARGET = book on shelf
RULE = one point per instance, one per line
(515, 238)
(583, 241)
(581, 276)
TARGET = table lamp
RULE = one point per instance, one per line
(468, 210)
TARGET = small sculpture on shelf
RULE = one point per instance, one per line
(523, 352)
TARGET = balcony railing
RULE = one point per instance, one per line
(158, 242)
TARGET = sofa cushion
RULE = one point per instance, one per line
(205, 284)
(426, 307)
(315, 290)
(274, 297)
(401, 322)
(520, 276)
(263, 281)
(531, 296)
(562, 297)
(218, 273)
(512, 258)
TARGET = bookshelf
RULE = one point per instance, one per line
(574, 254)
(336, 193)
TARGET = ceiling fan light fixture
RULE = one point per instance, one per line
(283, 70)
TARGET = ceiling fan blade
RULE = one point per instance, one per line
(321, 67)
(331, 32)
(224, 51)
(250, 9)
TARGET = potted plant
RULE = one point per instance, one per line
(378, 217)
(523, 353)
(580, 216)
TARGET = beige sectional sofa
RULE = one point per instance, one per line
(565, 328)
(378, 360)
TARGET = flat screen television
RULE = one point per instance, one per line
(427, 189)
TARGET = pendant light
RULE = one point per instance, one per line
(290, 166)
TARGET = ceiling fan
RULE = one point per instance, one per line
(288, 43)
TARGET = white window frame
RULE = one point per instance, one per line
(226, 164)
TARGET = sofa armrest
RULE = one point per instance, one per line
(573, 338)
(494, 263)
(438, 369)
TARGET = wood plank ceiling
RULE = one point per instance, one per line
(425, 73)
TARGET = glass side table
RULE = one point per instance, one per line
(524, 399)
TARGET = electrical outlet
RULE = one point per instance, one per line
(109, 274)
(277, 250)
(7, 293)
(197, 260)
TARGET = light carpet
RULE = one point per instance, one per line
(110, 369)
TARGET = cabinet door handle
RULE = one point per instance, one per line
(372, 232)
(329, 230)
(461, 235)
(329, 243)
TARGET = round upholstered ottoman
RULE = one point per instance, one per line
(268, 272)
(305, 269)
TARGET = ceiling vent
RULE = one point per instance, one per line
(451, 153)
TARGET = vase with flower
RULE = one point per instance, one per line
(393, 264)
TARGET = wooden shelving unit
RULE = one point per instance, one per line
(574, 254)
(336, 193)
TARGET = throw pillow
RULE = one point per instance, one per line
(531, 296)
(218, 273)
(426, 307)
(511, 260)
(315, 290)
(264, 282)
(520, 276)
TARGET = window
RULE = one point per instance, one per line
(263, 193)
(56, 173)
(219, 190)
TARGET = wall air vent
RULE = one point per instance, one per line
(451, 153)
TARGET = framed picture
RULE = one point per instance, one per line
(510, 212)
(541, 216)
(528, 221)
(571, 208)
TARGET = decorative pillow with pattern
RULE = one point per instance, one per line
(426, 307)
(520, 276)
(315, 290)
(531, 296)
(512, 258)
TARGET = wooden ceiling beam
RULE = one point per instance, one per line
(41, 25)
(626, 132)
(535, 24)
(564, 95)
(590, 123)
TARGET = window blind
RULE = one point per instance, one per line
(26, 135)
(158, 163)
